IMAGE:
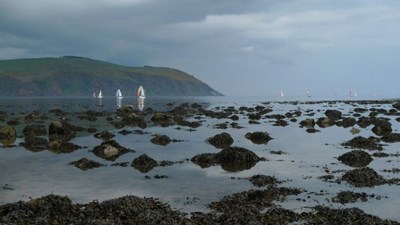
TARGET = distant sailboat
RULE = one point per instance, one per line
(282, 94)
(118, 94)
(100, 95)
(94, 94)
(308, 93)
(140, 92)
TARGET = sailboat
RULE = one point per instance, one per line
(118, 94)
(100, 95)
(281, 94)
(140, 92)
(308, 93)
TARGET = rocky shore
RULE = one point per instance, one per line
(55, 131)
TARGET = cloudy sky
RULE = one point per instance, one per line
(238, 47)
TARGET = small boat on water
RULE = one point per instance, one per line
(308, 93)
(281, 94)
(118, 94)
(140, 92)
(100, 95)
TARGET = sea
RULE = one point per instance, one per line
(185, 186)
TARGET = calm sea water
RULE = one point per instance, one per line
(188, 187)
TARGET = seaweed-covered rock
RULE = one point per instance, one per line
(222, 140)
(327, 216)
(363, 177)
(350, 197)
(356, 158)
(253, 199)
(85, 164)
(63, 147)
(110, 150)
(161, 140)
(308, 123)
(162, 119)
(258, 137)
(34, 130)
(133, 120)
(370, 143)
(324, 122)
(263, 180)
(62, 130)
(105, 135)
(144, 163)
(8, 135)
(35, 144)
(333, 114)
(346, 122)
(391, 138)
(231, 159)
(382, 127)
(53, 209)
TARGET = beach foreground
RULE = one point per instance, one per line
(320, 162)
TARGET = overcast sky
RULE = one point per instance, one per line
(238, 47)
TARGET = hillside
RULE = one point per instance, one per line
(78, 76)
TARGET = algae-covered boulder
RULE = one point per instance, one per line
(356, 158)
(8, 135)
(222, 140)
(258, 137)
(144, 163)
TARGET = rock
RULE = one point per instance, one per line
(391, 138)
(85, 164)
(132, 120)
(161, 140)
(222, 140)
(125, 111)
(105, 135)
(13, 122)
(63, 147)
(312, 130)
(349, 197)
(356, 158)
(162, 119)
(363, 177)
(396, 105)
(325, 122)
(8, 135)
(354, 130)
(346, 122)
(110, 150)
(258, 137)
(263, 180)
(333, 114)
(308, 123)
(370, 143)
(144, 163)
(3, 116)
(61, 130)
(53, 209)
(231, 159)
(364, 122)
(34, 130)
(382, 127)
(35, 144)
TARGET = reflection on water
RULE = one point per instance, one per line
(140, 104)
(119, 102)
(305, 158)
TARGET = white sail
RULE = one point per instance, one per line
(100, 95)
(118, 94)
(282, 94)
(140, 92)
(308, 93)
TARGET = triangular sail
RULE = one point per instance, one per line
(140, 92)
(118, 94)
(100, 95)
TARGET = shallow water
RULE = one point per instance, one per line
(188, 187)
